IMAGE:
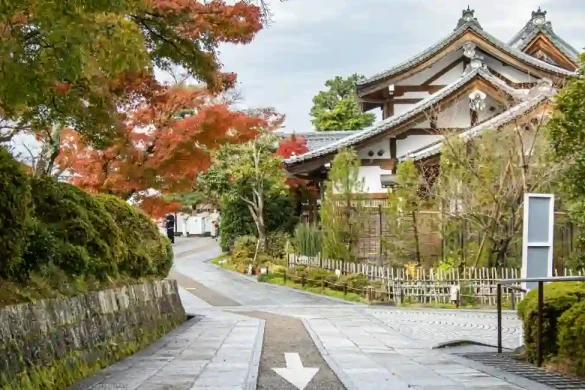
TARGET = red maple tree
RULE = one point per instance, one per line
(301, 189)
(163, 142)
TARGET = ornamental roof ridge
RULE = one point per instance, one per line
(537, 24)
(467, 16)
(437, 47)
(387, 123)
(505, 117)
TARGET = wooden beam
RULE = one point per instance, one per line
(452, 65)
(510, 82)
(405, 101)
(387, 110)
(393, 155)
(386, 163)
(373, 101)
(400, 90)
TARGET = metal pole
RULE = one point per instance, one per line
(539, 331)
(499, 298)
(512, 299)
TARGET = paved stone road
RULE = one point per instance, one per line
(363, 347)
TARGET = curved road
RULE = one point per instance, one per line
(250, 335)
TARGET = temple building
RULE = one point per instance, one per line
(468, 82)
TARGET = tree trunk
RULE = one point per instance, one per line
(502, 251)
(416, 240)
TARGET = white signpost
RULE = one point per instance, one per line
(295, 373)
(538, 232)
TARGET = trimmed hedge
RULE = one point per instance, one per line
(558, 298)
(572, 337)
(80, 232)
(15, 205)
(146, 252)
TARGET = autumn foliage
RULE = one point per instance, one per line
(162, 144)
(296, 145)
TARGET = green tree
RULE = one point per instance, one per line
(404, 204)
(337, 108)
(340, 212)
(482, 182)
(567, 136)
(251, 173)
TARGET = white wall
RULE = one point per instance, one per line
(451, 76)
(421, 77)
(486, 114)
(371, 177)
(402, 108)
(509, 72)
(456, 115)
(415, 142)
(381, 145)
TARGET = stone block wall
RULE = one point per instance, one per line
(53, 343)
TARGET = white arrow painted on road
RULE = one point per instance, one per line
(294, 372)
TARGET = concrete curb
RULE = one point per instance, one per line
(311, 294)
(349, 385)
(252, 380)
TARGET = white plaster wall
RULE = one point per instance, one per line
(456, 115)
(426, 124)
(510, 72)
(486, 114)
(402, 108)
(381, 145)
(451, 76)
(421, 77)
(371, 177)
(414, 95)
(415, 142)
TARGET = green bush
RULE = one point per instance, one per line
(571, 328)
(15, 204)
(307, 239)
(82, 235)
(244, 248)
(355, 281)
(276, 244)
(146, 251)
(236, 220)
(558, 298)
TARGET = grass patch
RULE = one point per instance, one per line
(279, 280)
(225, 261)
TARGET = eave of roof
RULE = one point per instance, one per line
(557, 41)
(390, 122)
(499, 120)
(473, 26)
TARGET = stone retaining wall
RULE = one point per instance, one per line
(53, 343)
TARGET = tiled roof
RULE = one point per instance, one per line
(531, 29)
(474, 26)
(395, 120)
(499, 120)
(319, 139)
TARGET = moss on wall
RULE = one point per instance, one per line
(52, 344)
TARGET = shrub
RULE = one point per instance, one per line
(244, 248)
(15, 204)
(571, 328)
(355, 281)
(558, 298)
(276, 244)
(82, 234)
(146, 251)
(307, 239)
(236, 220)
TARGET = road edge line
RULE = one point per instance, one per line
(333, 366)
(252, 379)
(254, 280)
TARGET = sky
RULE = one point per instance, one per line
(311, 41)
